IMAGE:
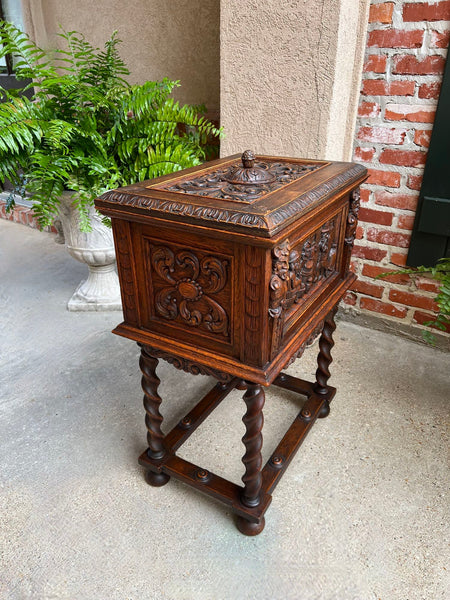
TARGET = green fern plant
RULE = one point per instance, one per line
(86, 128)
(441, 273)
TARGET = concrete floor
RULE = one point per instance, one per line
(361, 514)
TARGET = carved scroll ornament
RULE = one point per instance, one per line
(192, 281)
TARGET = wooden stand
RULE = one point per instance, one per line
(231, 269)
(250, 501)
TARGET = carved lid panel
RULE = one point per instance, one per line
(255, 194)
(240, 183)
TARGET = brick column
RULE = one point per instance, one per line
(405, 58)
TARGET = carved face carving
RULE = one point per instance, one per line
(296, 271)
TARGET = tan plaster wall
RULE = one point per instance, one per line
(351, 43)
(178, 39)
(290, 75)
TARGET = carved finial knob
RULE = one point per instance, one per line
(249, 173)
(248, 159)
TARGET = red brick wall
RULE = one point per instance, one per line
(21, 214)
(405, 57)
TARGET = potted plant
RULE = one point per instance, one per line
(86, 130)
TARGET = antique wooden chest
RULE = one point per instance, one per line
(228, 269)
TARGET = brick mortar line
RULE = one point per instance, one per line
(374, 76)
(426, 26)
(400, 51)
(401, 287)
(385, 99)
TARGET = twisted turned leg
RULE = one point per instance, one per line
(153, 418)
(324, 360)
(252, 459)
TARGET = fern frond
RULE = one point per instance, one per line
(31, 62)
(108, 66)
(169, 157)
(78, 56)
(141, 100)
(19, 125)
(171, 111)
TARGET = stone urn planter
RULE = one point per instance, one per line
(100, 291)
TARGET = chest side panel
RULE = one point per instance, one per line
(185, 287)
(126, 270)
(305, 268)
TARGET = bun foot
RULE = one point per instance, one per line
(325, 410)
(156, 479)
(249, 528)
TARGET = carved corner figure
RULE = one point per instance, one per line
(279, 283)
(352, 219)
(296, 272)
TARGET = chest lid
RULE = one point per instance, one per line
(251, 194)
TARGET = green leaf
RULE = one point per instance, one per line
(86, 128)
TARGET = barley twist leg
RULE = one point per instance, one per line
(252, 459)
(153, 418)
(324, 360)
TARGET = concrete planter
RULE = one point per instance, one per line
(100, 291)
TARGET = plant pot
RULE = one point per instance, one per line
(101, 290)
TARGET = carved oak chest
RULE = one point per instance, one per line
(232, 267)
(229, 269)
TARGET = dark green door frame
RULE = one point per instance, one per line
(431, 234)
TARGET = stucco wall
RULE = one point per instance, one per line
(290, 75)
(351, 42)
(177, 39)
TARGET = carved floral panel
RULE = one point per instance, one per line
(191, 288)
